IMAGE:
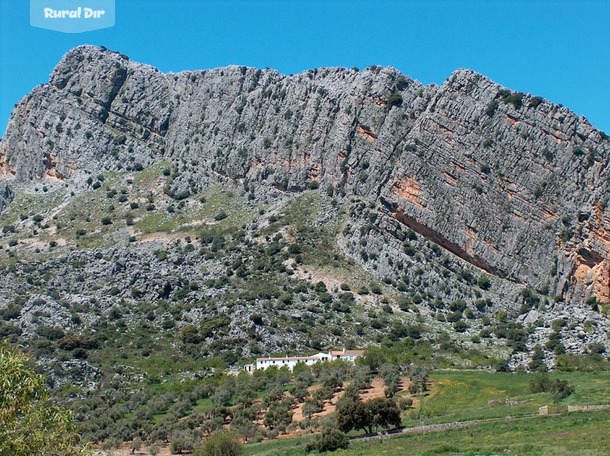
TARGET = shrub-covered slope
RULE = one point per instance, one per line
(240, 211)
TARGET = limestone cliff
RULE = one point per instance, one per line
(509, 182)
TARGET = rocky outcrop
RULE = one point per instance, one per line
(6, 194)
(508, 182)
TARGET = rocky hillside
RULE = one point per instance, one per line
(169, 197)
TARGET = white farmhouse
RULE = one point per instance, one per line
(291, 361)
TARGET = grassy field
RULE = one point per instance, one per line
(464, 395)
(582, 433)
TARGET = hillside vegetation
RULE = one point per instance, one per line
(159, 231)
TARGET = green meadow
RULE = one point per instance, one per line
(518, 430)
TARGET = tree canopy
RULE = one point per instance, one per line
(29, 422)
(369, 415)
(221, 443)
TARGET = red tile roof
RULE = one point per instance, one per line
(347, 352)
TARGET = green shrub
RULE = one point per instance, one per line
(460, 326)
(363, 290)
(491, 108)
(401, 83)
(597, 348)
(325, 297)
(50, 333)
(330, 440)
(578, 152)
(190, 335)
(560, 389)
(536, 101)
(320, 287)
(484, 282)
(220, 443)
(514, 98)
(294, 249)
(183, 443)
(220, 216)
(180, 196)
(454, 317)
(394, 100)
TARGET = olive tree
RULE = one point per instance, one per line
(220, 443)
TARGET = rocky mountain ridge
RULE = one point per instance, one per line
(508, 182)
(267, 211)
(158, 231)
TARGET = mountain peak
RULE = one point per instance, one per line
(420, 152)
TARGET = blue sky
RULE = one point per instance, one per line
(556, 49)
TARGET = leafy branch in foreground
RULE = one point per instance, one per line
(29, 423)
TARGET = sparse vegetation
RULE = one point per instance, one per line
(514, 98)
(394, 99)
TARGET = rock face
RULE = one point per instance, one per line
(6, 194)
(510, 183)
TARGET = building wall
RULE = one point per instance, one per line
(291, 363)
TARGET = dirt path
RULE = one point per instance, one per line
(376, 390)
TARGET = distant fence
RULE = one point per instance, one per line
(586, 408)
(547, 410)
